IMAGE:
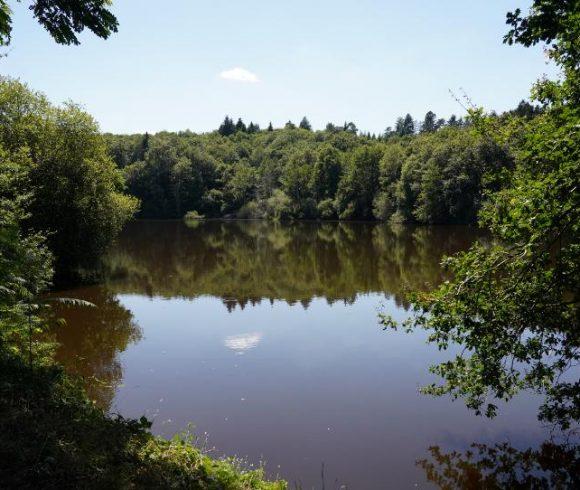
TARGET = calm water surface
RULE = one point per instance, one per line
(265, 338)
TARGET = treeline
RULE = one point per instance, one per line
(425, 173)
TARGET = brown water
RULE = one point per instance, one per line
(265, 338)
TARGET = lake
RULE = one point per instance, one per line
(265, 338)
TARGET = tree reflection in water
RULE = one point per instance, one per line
(247, 262)
(552, 465)
(243, 263)
(91, 339)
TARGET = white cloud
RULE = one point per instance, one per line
(239, 75)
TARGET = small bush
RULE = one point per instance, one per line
(193, 215)
(251, 210)
(327, 209)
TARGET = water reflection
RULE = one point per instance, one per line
(553, 464)
(244, 263)
(243, 342)
(91, 339)
(318, 381)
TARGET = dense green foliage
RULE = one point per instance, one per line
(25, 263)
(514, 305)
(297, 173)
(75, 192)
(64, 19)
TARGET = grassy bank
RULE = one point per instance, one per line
(52, 436)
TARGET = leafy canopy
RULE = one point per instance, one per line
(64, 19)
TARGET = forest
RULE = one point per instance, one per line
(430, 172)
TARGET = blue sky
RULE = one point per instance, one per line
(184, 64)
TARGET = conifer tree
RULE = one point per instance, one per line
(453, 121)
(142, 148)
(240, 126)
(405, 125)
(253, 128)
(305, 124)
(429, 124)
(228, 127)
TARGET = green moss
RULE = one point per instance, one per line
(53, 436)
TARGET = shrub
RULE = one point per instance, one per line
(193, 215)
